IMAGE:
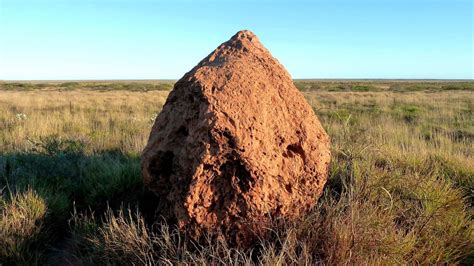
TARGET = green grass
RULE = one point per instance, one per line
(400, 189)
(99, 86)
(382, 85)
(303, 85)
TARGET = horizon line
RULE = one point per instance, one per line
(294, 79)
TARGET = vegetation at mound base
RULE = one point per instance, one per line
(400, 190)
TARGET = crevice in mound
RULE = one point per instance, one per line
(231, 140)
(233, 180)
(235, 170)
(161, 167)
(182, 131)
(294, 149)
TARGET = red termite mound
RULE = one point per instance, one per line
(235, 144)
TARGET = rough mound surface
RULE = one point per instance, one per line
(235, 144)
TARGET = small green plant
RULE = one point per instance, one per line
(408, 113)
(54, 145)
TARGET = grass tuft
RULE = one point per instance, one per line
(21, 223)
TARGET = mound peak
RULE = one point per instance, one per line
(243, 44)
(243, 40)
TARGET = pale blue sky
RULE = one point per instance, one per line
(113, 39)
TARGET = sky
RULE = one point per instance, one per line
(145, 39)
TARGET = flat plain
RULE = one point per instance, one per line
(400, 189)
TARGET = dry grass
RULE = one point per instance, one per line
(400, 191)
(107, 120)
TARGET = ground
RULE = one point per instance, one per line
(400, 189)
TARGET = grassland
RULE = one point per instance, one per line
(401, 187)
